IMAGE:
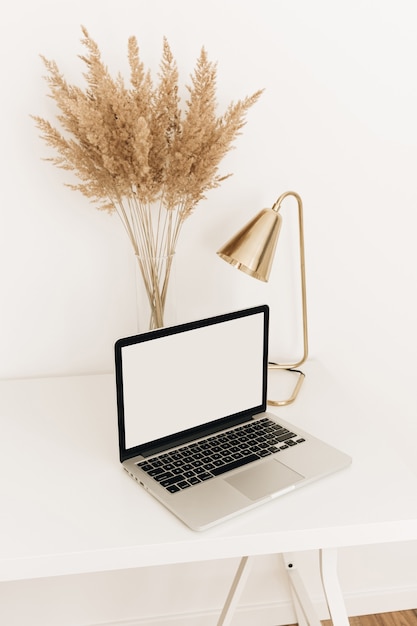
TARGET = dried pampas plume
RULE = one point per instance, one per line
(133, 150)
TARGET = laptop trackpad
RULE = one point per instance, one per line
(264, 479)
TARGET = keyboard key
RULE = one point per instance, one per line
(184, 484)
(234, 464)
(155, 471)
(205, 476)
(171, 481)
(145, 466)
(163, 476)
(264, 452)
(194, 480)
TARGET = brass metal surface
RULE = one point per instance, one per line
(252, 250)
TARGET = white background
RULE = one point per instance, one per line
(336, 123)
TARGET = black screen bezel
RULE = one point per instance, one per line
(180, 438)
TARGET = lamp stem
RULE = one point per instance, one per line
(291, 366)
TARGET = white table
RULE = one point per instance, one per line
(67, 507)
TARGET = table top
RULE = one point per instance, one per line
(67, 506)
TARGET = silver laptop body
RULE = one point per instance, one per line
(193, 426)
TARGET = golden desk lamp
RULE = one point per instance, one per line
(252, 251)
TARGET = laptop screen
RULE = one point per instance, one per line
(178, 381)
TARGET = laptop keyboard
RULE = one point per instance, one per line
(200, 461)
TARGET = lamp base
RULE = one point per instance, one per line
(300, 379)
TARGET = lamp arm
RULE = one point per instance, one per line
(276, 207)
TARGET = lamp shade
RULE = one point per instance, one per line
(252, 249)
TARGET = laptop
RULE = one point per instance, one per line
(193, 426)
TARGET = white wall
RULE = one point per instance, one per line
(337, 123)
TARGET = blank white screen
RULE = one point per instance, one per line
(183, 380)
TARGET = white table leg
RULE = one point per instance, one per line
(330, 580)
(305, 612)
(304, 609)
(235, 592)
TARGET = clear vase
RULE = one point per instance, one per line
(155, 297)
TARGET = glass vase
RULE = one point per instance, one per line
(155, 297)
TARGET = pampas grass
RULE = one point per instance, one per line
(136, 153)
